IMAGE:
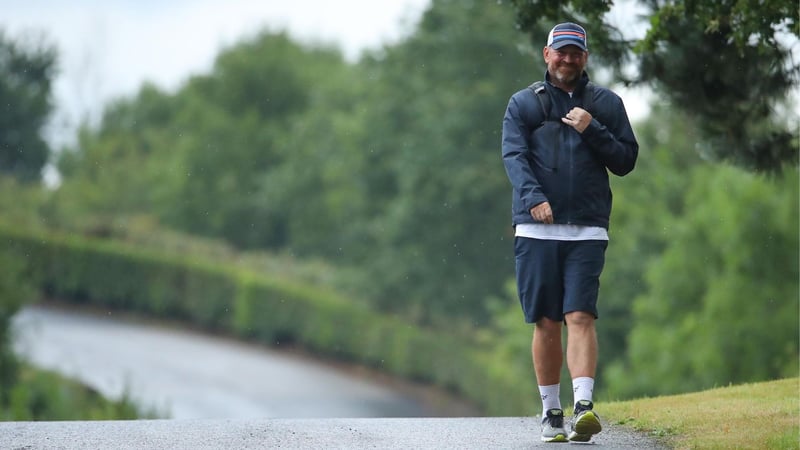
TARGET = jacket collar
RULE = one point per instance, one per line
(584, 79)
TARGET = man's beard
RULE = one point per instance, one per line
(567, 75)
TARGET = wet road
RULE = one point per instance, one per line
(187, 375)
(504, 433)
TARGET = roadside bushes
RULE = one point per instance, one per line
(276, 312)
(46, 395)
(27, 393)
(107, 274)
(15, 287)
(251, 305)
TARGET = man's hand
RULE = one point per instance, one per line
(578, 118)
(542, 213)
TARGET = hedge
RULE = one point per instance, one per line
(211, 296)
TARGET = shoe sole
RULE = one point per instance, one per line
(585, 427)
(556, 438)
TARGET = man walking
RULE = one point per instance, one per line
(561, 137)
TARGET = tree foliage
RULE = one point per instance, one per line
(608, 44)
(15, 290)
(647, 204)
(287, 147)
(727, 65)
(26, 73)
(701, 256)
(389, 169)
(721, 304)
(437, 103)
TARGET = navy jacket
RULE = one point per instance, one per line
(547, 160)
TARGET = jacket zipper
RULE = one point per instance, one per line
(557, 149)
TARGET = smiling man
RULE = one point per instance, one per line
(561, 137)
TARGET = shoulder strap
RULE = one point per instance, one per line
(544, 98)
(588, 97)
(538, 88)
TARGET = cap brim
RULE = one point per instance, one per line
(566, 42)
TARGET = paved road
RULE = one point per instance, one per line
(228, 395)
(357, 433)
(185, 375)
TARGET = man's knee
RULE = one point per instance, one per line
(548, 326)
(579, 319)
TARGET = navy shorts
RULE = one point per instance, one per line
(558, 277)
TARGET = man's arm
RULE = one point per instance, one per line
(614, 142)
(515, 159)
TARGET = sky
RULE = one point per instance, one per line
(108, 48)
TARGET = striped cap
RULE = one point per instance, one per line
(567, 34)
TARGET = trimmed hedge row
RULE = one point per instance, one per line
(255, 306)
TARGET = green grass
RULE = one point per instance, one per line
(758, 415)
(46, 395)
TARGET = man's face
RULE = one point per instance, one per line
(566, 64)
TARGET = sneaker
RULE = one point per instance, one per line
(553, 426)
(585, 422)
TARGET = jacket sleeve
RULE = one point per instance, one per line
(515, 158)
(614, 142)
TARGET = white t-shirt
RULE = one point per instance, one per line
(561, 232)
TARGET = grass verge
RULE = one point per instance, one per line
(756, 415)
(44, 395)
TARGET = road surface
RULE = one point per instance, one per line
(225, 394)
(502, 433)
(188, 375)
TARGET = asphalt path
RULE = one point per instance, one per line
(181, 374)
(224, 394)
(355, 433)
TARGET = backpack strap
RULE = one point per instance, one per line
(588, 97)
(538, 88)
(540, 91)
(544, 98)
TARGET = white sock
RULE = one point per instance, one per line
(583, 388)
(550, 397)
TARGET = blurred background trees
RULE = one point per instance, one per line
(727, 65)
(389, 170)
(26, 70)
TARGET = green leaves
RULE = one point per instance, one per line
(389, 169)
(732, 91)
(726, 64)
(26, 72)
(721, 304)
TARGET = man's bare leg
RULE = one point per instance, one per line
(582, 363)
(548, 355)
(581, 344)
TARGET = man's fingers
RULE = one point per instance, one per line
(577, 118)
(542, 213)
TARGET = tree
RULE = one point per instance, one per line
(16, 288)
(726, 64)
(390, 165)
(108, 173)
(721, 303)
(213, 158)
(237, 150)
(442, 223)
(647, 204)
(26, 72)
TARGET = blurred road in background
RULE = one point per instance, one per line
(187, 375)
